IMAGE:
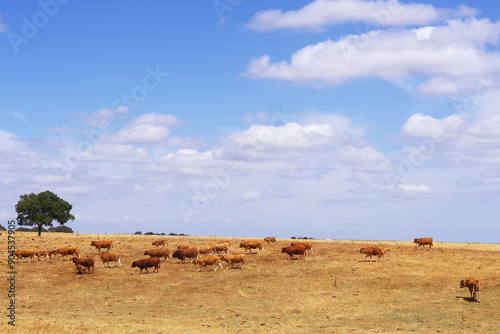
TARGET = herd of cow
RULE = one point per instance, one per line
(205, 256)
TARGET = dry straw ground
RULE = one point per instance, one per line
(415, 290)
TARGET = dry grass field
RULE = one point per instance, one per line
(336, 291)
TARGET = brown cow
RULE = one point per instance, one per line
(159, 253)
(147, 263)
(373, 251)
(205, 261)
(249, 245)
(270, 240)
(294, 250)
(424, 241)
(307, 244)
(205, 249)
(159, 243)
(42, 254)
(183, 247)
(236, 258)
(68, 251)
(25, 253)
(474, 286)
(220, 247)
(86, 262)
(110, 257)
(108, 244)
(182, 254)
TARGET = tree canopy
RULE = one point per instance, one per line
(42, 209)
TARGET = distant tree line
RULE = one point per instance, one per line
(170, 234)
(60, 229)
(301, 238)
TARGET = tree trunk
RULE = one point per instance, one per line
(40, 230)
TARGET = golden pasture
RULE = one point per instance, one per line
(336, 291)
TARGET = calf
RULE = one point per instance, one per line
(108, 244)
(22, 253)
(147, 263)
(294, 250)
(249, 245)
(110, 257)
(373, 251)
(68, 251)
(474, 286)
(270, 240)
(423, 241)
(86, 262)
(236, 258)
(159, 243)
(79, 269)
(182, 254)
(42, 254)
(159, 253)
(208, 261)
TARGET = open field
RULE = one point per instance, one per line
(415, 290)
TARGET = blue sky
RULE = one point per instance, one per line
(342, 119)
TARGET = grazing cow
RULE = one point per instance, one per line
(474, 286)
(110, 257)
(220, 247)
(86, 262)
(79, 269)
(159, 243)
(68, 251)
(205, 261)
(307, 244)
(108, 244)
(205, 249)
(423, 241)
(147, 263)
(236, 258)
(52, 253)
(159, 253)
(373, 251)
(182, 254)
(183, 247)
(42, 254)
(294, 250)
(25, 253)
(270, 240)
(249, 245)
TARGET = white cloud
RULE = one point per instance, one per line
(116, 153)
(250, 196)
(102, 118)
(425, 126)
(437, 55)
(322, 13)
(9, 141)
(147, 128)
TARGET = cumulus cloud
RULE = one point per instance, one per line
(323, 13)
(425, 126)
(147, 128)
(436, 54)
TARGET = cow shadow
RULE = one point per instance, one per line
(467, 299)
